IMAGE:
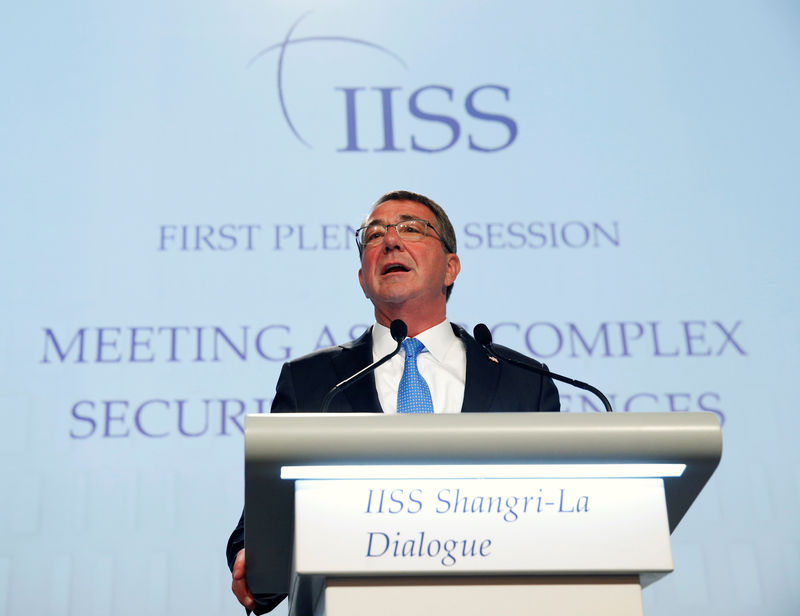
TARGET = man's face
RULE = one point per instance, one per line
(396, 272)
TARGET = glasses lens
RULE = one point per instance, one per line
(371, 234)
(412, 229)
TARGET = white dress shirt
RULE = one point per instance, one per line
(443, 365)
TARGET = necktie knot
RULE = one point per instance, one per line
(412, 347)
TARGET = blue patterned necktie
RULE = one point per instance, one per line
(413, 395)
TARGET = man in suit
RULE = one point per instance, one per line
(409, 264)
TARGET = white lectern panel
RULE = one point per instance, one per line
(450, 526)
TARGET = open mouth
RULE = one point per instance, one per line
(393, 268)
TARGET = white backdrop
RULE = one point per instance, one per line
(178, 183)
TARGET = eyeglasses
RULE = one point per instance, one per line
(411, 230)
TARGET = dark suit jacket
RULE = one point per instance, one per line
(491, 386)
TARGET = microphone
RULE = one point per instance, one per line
(399, 331)
(484, 338)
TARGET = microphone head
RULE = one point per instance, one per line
(399, 330)
(482, 334)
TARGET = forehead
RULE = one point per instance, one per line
(392, 211)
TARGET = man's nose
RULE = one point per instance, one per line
(391, 239)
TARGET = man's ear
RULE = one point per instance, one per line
(361, 282)
(452, 271)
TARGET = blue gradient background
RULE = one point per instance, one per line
(675, 121)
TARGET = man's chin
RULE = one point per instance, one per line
(391, 299)
(393, 290)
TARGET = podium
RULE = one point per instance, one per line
(545, 513)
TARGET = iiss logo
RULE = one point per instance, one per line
(427, 118)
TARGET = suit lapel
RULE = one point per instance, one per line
(362, 395)
(483, 375)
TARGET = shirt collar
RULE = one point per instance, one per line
(437, 340)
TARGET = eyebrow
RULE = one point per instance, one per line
(401, 218)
